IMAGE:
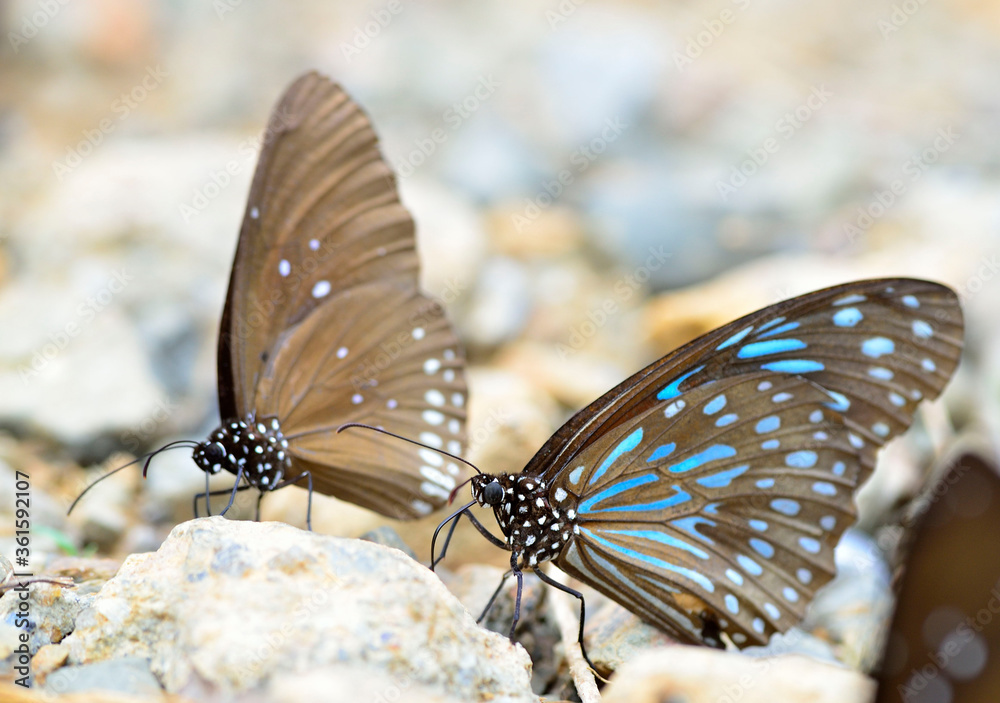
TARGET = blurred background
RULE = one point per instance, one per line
(594, 183)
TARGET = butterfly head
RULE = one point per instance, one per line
(255, 448)
(487, 490)
(535, 528)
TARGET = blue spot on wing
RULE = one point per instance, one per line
(660, 452)
(660, 537)
(771, 323)
(771, 346)
(716, 451)
(841, 402)
(587, 506)
(690, 525)
(793, 366)
(672, 390)
(690, 574)
(723, 478)
(626, 445)
(778, 330)
(738, 337)
(877, 346)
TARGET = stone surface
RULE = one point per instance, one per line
(233, 604)
(121, 675)
(702, 675)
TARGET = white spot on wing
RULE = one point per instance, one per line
(284, 268)
(321, 289)
(431, 366)
(434, 397)
(432, 417)
(342, 352)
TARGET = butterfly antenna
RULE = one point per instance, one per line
(146, 457)
(407, 439)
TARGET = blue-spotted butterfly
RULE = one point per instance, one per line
(707, 492)
(324, 324)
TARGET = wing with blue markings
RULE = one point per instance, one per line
(714, 484)
(878, 347)
(740, 521)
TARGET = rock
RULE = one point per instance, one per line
(702, 675)
(613, 635)
(524, 232)
(52, 612)
(388, 537)
(123, 675)
(509, 419)
(501, 303)
(232, 604)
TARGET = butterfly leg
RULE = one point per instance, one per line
(207, 495)
(456, 516)
(232, 494)
(517, 599)
(309, 501)
(496, 593)
(583, 610)
(454, 520)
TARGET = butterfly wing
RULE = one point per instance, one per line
(324, 306)
(880, 346)
(944, 642)
(740, 520)
(323, 215)
(717, 481)
(408, 380)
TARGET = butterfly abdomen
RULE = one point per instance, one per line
(255, 448)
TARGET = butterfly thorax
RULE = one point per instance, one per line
(535, 530)
(255, 447)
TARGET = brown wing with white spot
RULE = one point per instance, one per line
(388, 359)
(324, 323)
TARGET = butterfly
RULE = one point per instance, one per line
(707, 492)
(944, 642)
(324, 324)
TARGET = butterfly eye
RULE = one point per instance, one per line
(492, 493)
(214, 452)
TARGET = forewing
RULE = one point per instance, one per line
(323, 216)
(728, 501)
(878, 346)
(384, 356)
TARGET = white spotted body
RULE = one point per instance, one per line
(534, 528)
(255, 448)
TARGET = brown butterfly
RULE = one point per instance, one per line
(324, 325)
